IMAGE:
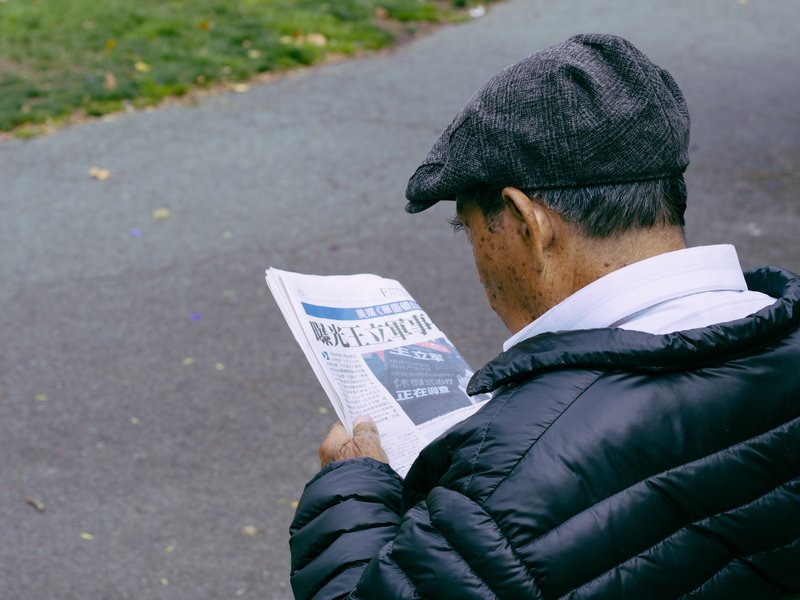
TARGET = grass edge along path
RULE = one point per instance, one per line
(65, 61)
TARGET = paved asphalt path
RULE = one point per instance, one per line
(165, 464)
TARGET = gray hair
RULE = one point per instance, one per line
(603, 210)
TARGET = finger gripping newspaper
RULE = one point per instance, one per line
(376, 352)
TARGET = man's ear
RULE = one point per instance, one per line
(534, 221)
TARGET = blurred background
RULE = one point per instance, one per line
(157, 420)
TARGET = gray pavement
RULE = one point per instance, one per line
(165, 463)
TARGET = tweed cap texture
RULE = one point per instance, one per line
(591, 110)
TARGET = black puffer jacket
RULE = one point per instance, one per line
(611, 464)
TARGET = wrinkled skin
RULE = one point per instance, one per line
(339, 445)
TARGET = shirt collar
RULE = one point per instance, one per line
(626, 291)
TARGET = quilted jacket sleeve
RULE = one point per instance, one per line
(348, 540)
(447, 547)
(347, 513)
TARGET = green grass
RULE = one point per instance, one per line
(93, 57)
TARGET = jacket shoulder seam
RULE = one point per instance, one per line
(511, 471)
(486, 427)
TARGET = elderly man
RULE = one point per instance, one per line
(643, 439)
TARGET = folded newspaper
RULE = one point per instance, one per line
(376, 352)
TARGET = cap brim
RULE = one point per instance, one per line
(427, 186)
(419, 205)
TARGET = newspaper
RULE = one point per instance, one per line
(376, 352)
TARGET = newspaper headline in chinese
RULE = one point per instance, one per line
(376, 352)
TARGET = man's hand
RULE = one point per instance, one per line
(338, 445)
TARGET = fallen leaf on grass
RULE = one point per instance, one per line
(142, 67)
(99, 174)
(298, 39)
(110, 81)
(316, 39)
(312, 39)
(35, 503)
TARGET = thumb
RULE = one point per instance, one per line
(363, 425)
(367, 439)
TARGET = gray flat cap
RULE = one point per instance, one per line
(591, 110)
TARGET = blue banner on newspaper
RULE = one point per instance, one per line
(355, 314)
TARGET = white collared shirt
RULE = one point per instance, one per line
(685, 289)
